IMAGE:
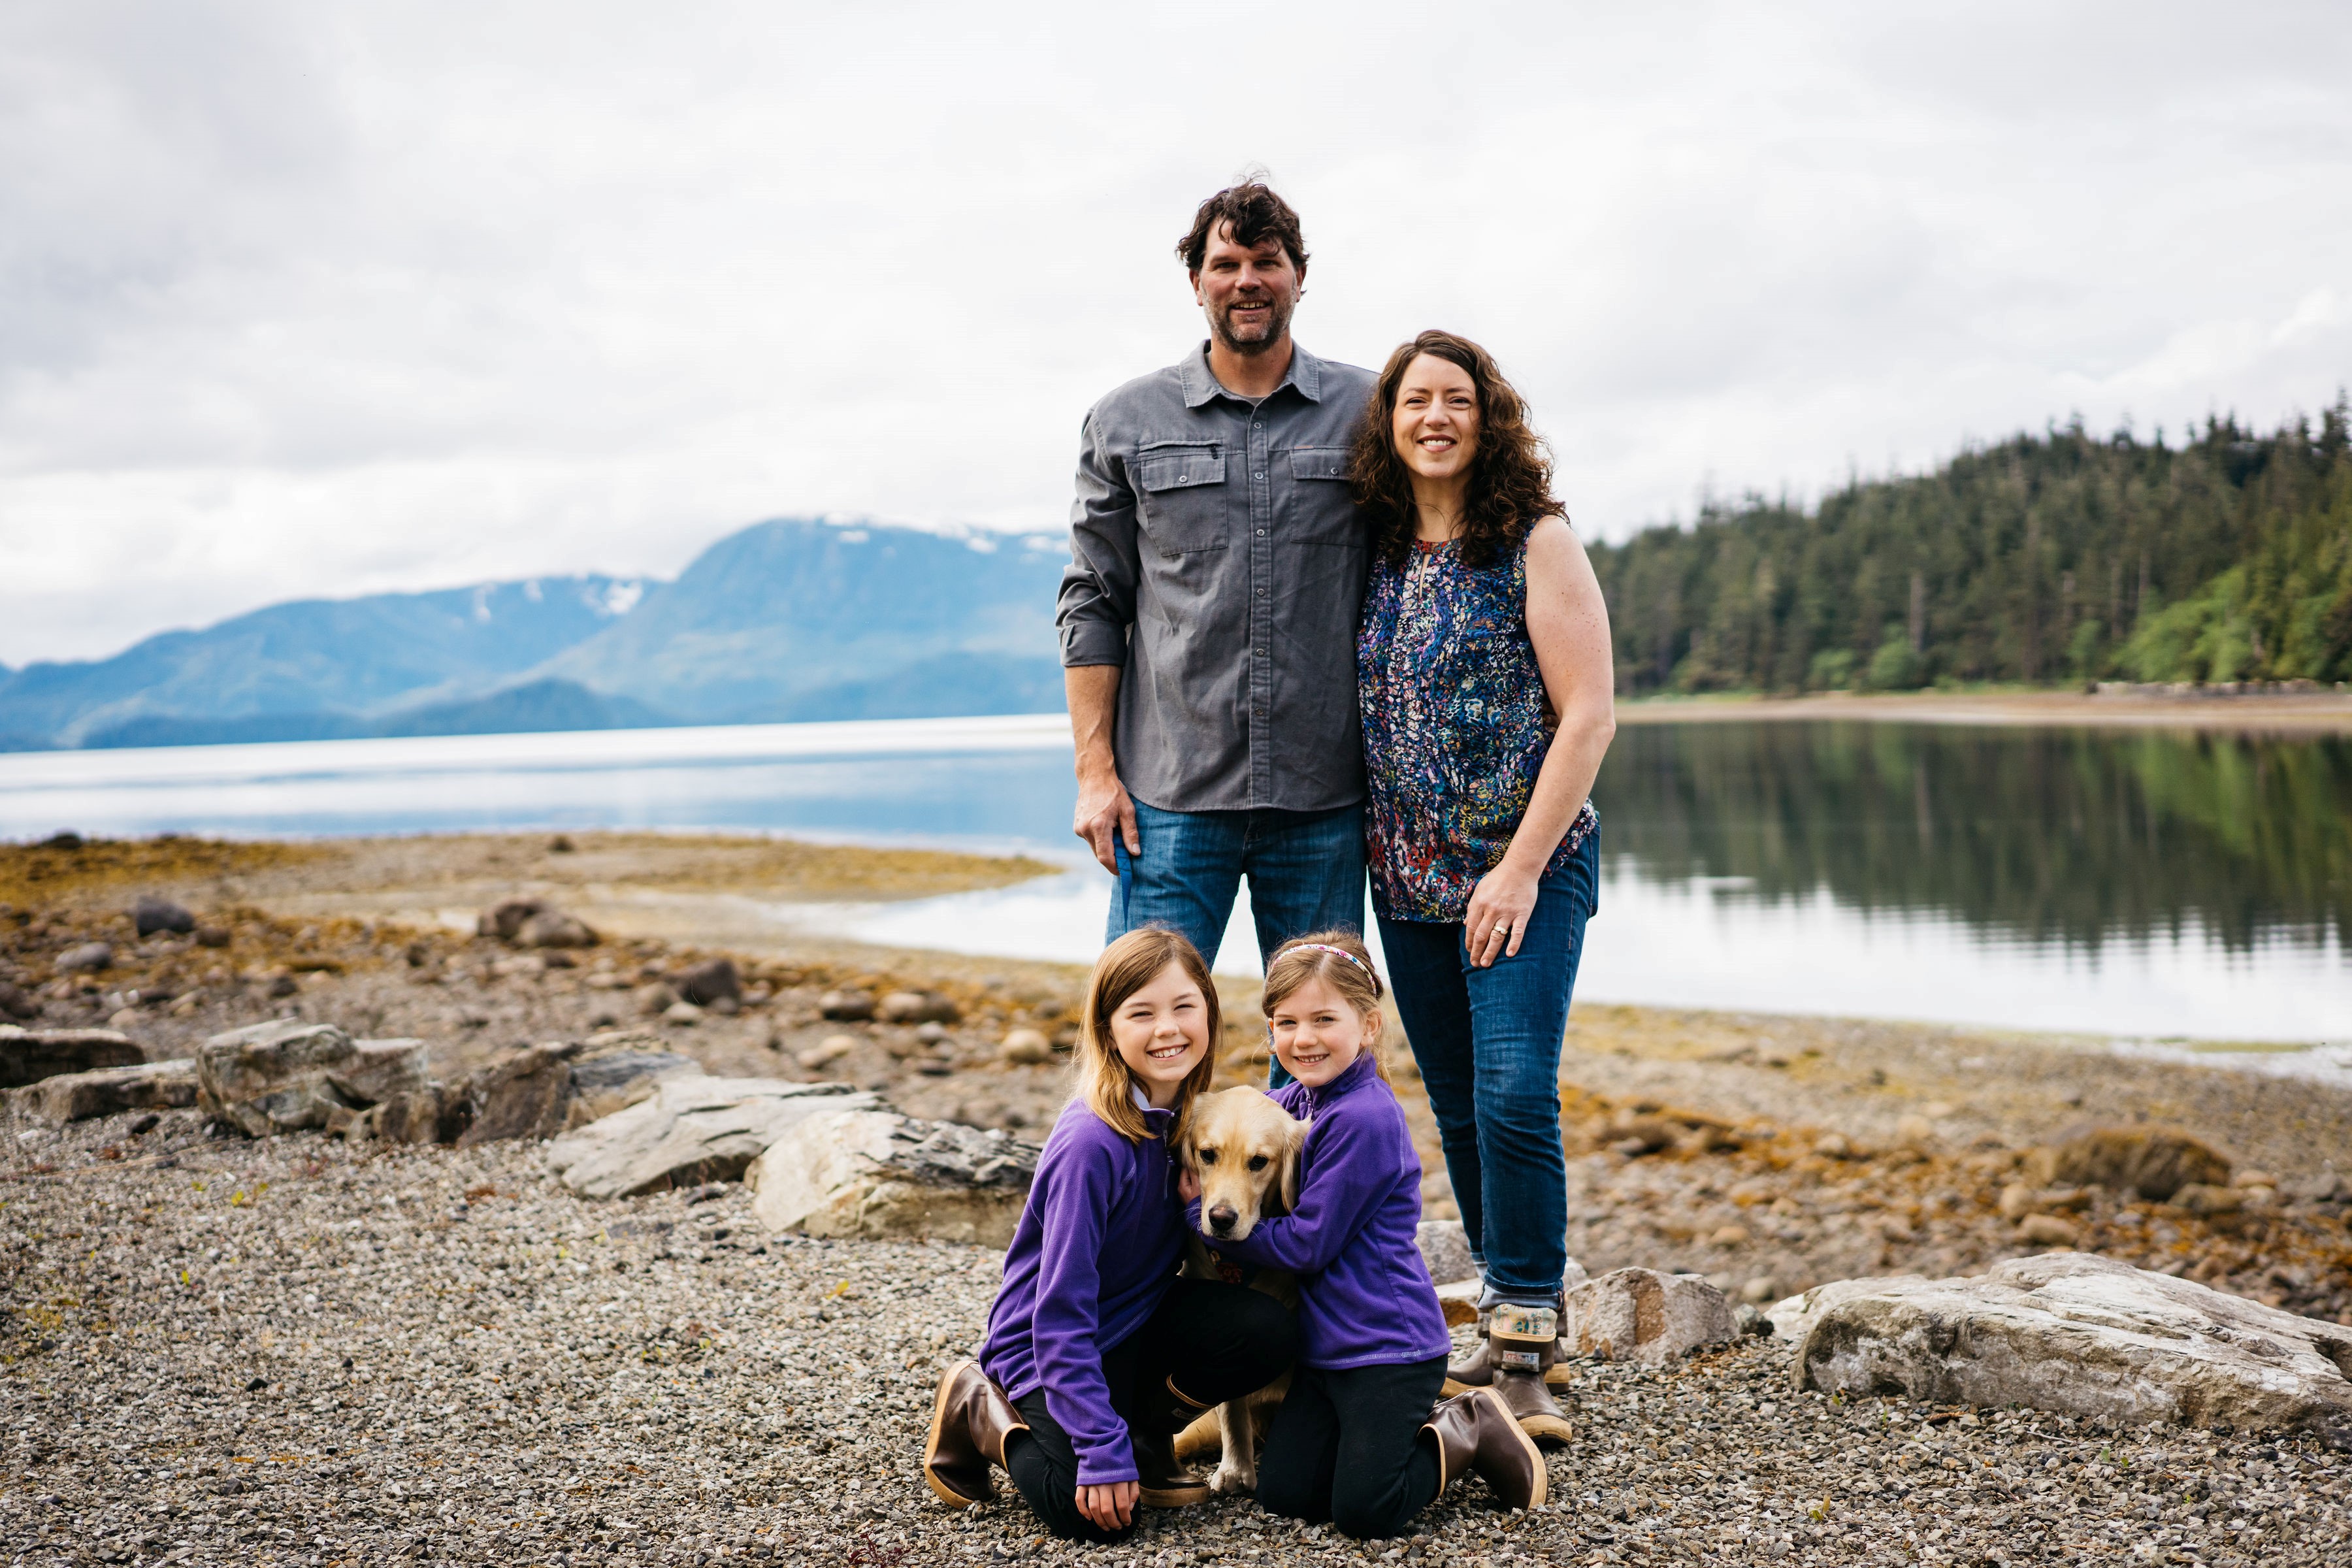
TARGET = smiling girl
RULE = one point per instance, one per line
(1097, 1355)
(1356, 1441)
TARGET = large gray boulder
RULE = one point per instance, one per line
(692, 1129)
(2085, 1335)
(286, 1076)
(29, 1056)
(77, 1096)
(873, 1174)
(1640, 1314)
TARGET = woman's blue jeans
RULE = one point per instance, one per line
(1488, 1043)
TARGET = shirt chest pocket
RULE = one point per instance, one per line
(1322, 509)
(1182, 499)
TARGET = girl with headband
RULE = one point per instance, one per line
(1361, 1440)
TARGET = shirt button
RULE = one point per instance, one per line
(1261, 476)
(1260, 534)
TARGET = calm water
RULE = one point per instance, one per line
(2151, 885)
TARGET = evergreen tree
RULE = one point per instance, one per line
(2053, 559)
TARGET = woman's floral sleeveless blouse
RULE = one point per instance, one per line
(1454, 728)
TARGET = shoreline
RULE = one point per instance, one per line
(2289, 714)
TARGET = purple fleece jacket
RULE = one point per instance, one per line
(1098, 1246)
(1364, 1295)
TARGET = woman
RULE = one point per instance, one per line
(1483, 667)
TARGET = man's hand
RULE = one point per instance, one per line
(1111, 1507)
(1104, 808)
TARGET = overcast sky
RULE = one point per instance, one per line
(315, 299)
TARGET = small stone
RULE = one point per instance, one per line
(90, 956)
(2252, 1178)
(1914, 1130)
(1025, 1047)
(2198, 1197)
(123, 1018)
(1730, 1236)
(706, 982)
(1833, 1146)
(846, 1007)
(916, 1008)
(656, 998)
(151, 914)
(1759, 1290)
(831, 1048)
(2047, 1230)
(684, 1014)
(212, 936)
(561, 845)
(932, 1034)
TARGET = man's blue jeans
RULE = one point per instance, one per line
(1305, 871)
(1488, 1043)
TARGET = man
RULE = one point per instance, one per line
(1208, 615)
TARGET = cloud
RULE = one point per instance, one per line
(327, 298)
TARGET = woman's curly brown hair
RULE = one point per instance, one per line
(1511, 473)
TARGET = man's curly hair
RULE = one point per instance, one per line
(1510, 472)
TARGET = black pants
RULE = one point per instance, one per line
(1347, 1447)
(1216, 1341)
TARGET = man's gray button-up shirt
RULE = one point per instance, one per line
(1214, 552)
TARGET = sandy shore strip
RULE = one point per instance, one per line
(2311, 713)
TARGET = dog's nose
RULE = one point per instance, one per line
(1221, 1217)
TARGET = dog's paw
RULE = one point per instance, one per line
(1231, 1480)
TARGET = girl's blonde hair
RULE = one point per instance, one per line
(1339, 960)
(1105, 1082)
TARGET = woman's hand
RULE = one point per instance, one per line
(1188, 1183)
(1110, 1507)
(1496, 920)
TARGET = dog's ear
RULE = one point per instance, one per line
(1290, 1164)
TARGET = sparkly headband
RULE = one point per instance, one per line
(1326, 947)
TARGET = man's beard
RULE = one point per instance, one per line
(1277, 325)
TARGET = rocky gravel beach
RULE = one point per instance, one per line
(301, 1350)
(313, 1348)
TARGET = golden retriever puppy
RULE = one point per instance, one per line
(1244, 1150)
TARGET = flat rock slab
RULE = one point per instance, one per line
(2085, 1335)
(77, 1096)
(1641, 1315)
(692, 1129)
(29, 1056)
(287, 1076)
(878, 1175)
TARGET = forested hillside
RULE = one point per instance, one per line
(2057, 558)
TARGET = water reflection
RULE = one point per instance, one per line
(2077, 838)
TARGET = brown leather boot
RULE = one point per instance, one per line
(971, 1418)
(1162, 1480)
(1476, 1432)
(1476, 1369)
(1524, 1344)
